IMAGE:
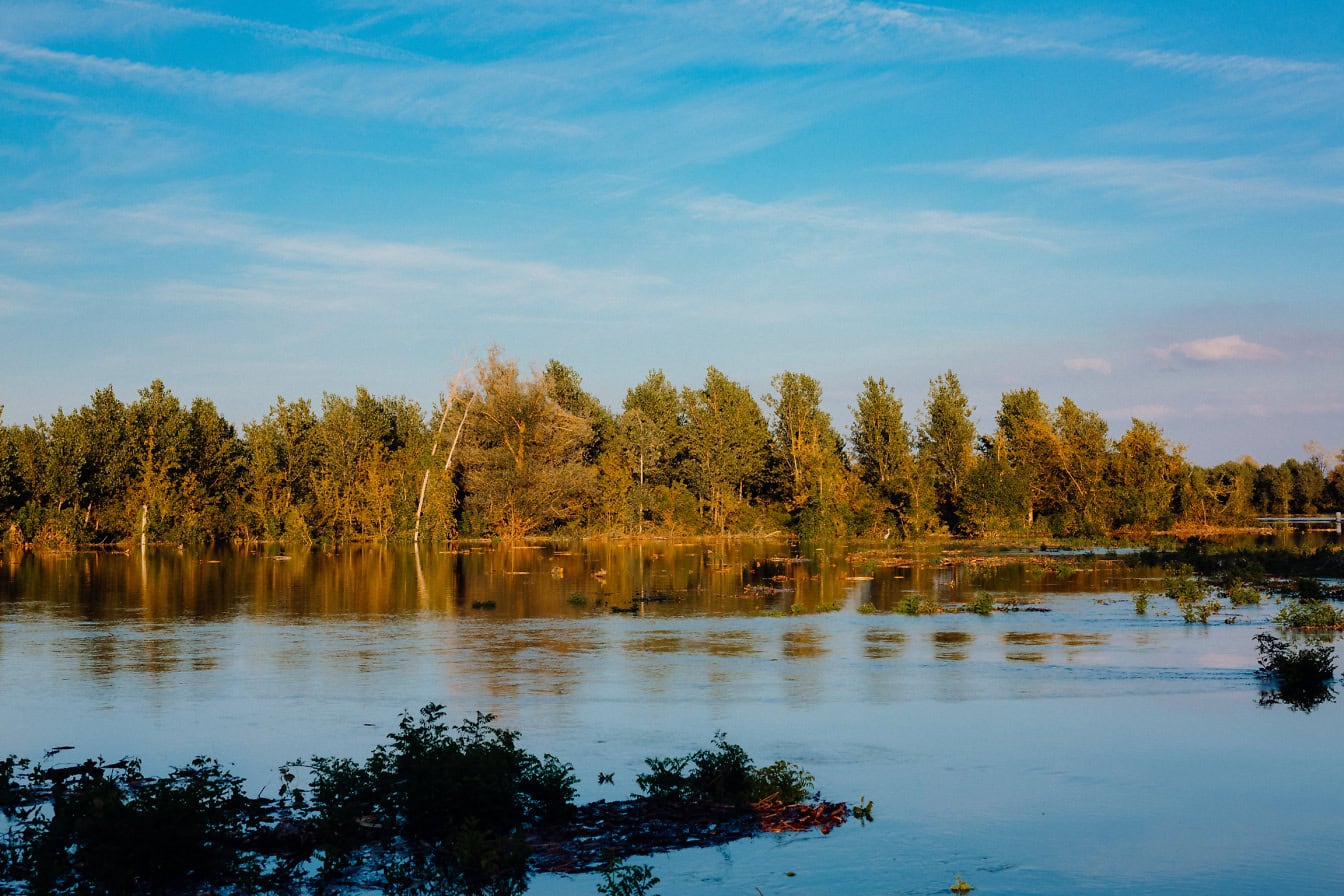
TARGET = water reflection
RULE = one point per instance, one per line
(951, 645)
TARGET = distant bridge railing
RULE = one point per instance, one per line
(1337, 519)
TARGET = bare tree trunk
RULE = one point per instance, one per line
(434, 450)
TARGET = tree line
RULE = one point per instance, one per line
(511, 453)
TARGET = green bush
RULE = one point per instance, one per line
(1241, 594)
(465, 792)
(783, 781)
(723, 775)
(1310, 614)
(110, 830)
(1199, 611)
(621, 879)
(1300, 677)
(983, 603)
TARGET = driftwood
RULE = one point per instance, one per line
(602, 832)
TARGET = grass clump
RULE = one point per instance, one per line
(1299, 677)
(577, 600)
(917, 605)
(983, 604)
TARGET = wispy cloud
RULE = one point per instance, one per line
(1089, 365)
(165, 16)
(1238, 181)
(820, 216)
(331, 271)
(1216, 349)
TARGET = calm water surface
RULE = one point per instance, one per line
(1084, 749)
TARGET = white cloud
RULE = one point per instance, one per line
(1217, 348)
(818, 215)
(1092, 365)
(1209, 182)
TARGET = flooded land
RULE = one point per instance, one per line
(1057, 743)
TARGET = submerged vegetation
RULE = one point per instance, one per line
(509, 453)
(1299, 677)
(438, 808)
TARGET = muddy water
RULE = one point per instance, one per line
(1062, 744)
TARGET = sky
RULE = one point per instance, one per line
(1136, 205)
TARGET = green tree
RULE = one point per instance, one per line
(1146, 471)
(1078, 497)
(1026, 442)
(881, 441)
(160, 430)
(11, 484)
(645, 447)
(727, 446)
(946, 436)
(803, 437)
(282, 464)
(524, 453)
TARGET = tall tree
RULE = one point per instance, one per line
(282, 465)
(645, 445)
(946, 438)
(1079, 495)
(727, 443)
(1146, 471)
(1027, 443)
(160, 429)
(802, 436)
(524, 452)
(881, 440)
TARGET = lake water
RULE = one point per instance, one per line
(1084, 749)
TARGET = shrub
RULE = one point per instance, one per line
(1310, 614)
(1182, 586)
(1241, 594)
(784, 782)
(1199, 611)
(917, 605)
(621, 879)
(1301, 678)
(110, 830)
(723, 775)
(983, 603)
(465, 792)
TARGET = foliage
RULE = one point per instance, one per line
(462, 800)
(1310, 614)
(783, 781)
(1241, 594)
(110, 830)
(917, 605)
(623, 879)
(1299, 677)
(538, 455)
(983, 604)
(437, 809)
(1200, 610)
(945, 437)
(723, 775)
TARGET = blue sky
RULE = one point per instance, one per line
(1137, 205)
